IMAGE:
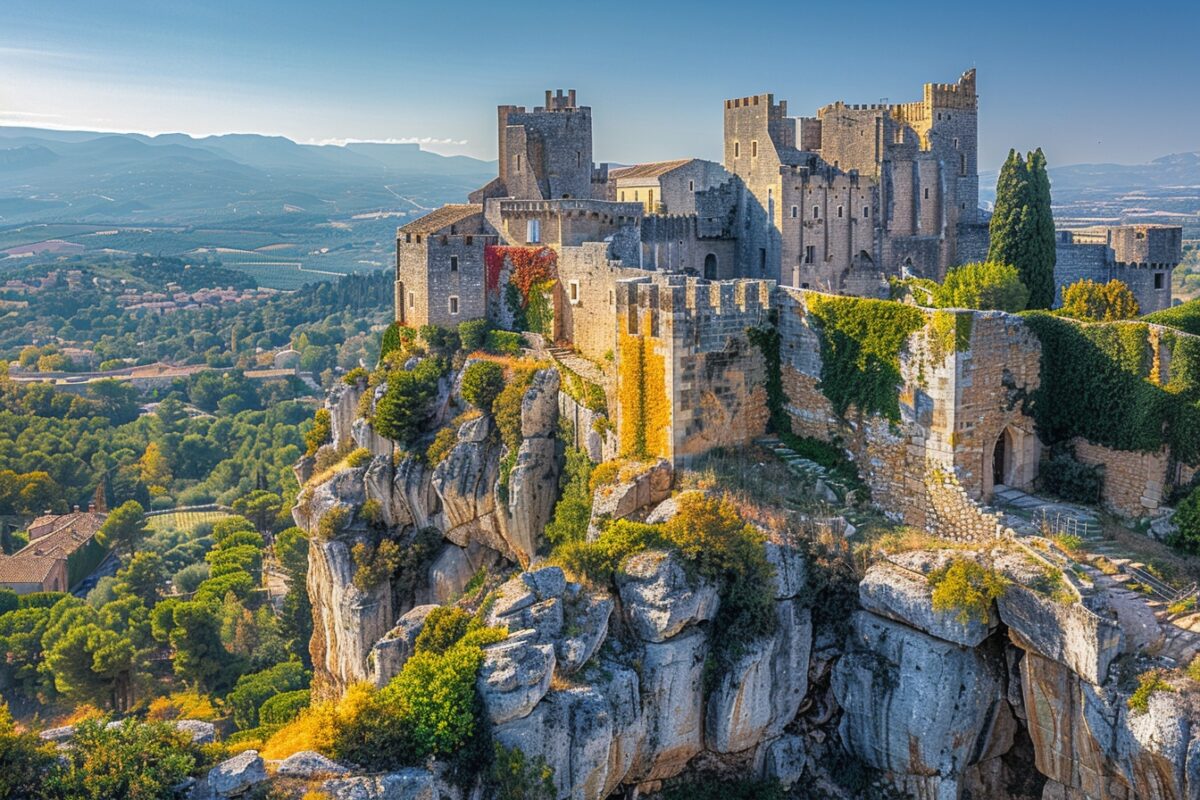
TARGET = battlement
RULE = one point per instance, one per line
(556, 102)
(683, 295)
(776, 110)
(597, 209)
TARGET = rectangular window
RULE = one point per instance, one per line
(816, 212)
(454, 304)
(737, 149)
(533, 231)
(754, 149)
(795, 211)
(810, 254)
(691, 186)
(573, 289)
(408, 238)
(840, 212)
(1159, 280)
(470, 239)
(412, 299)
(454, 263)
(956, 143)
(650, 199)
(926, 193)
(866, 211)
(579, 158)
(962, 164)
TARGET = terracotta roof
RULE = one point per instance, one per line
(444, 217)
(27, 569)
(72, 533)
(82, 522)
(653, 170)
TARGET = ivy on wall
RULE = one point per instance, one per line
(861, 340)
(645, 419)
(528, 293)
(1100, 381)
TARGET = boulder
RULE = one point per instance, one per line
(659, 598)
(539, 406)
(532, 493)
(309, 764)
(904, 594)
(672, 705)
(465, 484)
(784, 759)
(651, 487)
(406, 784)
(760, 693)
(413, 493)
(61, 734)
(791, 569)
(526, 602)
(390, 653)
(585, 625)
(1140, 628)
(513, 678)
(237, 775)
(920, 707)
(201, 732)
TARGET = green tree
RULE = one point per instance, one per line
(142, 577)
(1022, 226)
(260, 507)
(252, 690)
(125, 528)
(405, 407)
(1187, 523)
(199, 656)
(482, 381)
(134, 760)
(984, 286)
(93, 664)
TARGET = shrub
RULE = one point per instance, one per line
(482, 381)
(407, 402)
(332, 522)
(441, 446)
(1186, 537)
(1099, 302)
(443, 628)
(604, 473)
(596, 561)
(359, 457)
(503, 343)
(320, 432)
(97, 765)
(284, 707)
(506, 409)
(966, 589)
(1063, 476)
(473, 334)
(355, 375)
(252, 690)
(573, 510)
(1193, 669)
(317, 726)
(188, 704)
(1149, 682)
(514, 776)
(983, 285)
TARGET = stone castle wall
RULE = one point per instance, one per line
(1134, 483)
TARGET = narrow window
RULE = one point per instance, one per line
(470, 239)
(518, 162)
(737, 149)
(754, 149)
(962, 163)
(418, 238)
(408, 238)
(454, 304)
(635, 194)
(795, 211)
(579, 158)
(816, 212)
(955, 142)
(691, 186)
(839, 212)
(810, 254)
(1159, 281)
(574, 292)
(533, 231)
(412, 299)
(454, 263)
(650, 199)
(926, 193)
(866, 211)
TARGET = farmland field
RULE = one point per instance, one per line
(184, 520)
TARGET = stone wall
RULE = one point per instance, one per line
(1134, 483)
(588, 321)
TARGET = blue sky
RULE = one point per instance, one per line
(1106, 82)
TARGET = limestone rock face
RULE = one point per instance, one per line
(390, 653)
(513, 678)
(919, 706)
(791, 569)
(904, 594)
(1091, 745)
(784, 759)
(417, 503)
(407, 784)
(342, 404)
(533, 481)
(672, 704)
(762, 691)
(659, 598)
(465, 483)
(347, 622)
(201, 732)
(364, 435)
(454, 568)
(309, 764)
(624, 499)
(586, 618)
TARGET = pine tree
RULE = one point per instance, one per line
(1022, 227)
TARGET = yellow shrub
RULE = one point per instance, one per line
(182, 705)
(317, 725)
(645, 418)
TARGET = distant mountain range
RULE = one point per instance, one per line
(1165, 190)
(80, 176)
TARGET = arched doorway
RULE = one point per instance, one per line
(1002, 459)
(710, 266)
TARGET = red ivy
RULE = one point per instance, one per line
(530, 265)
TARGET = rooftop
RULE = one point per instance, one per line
(443, 217)
(654, 169)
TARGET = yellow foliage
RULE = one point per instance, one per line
(182, 705)
(645, 418)
(317, 725)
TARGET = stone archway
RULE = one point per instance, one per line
(710, 266)
(1002, 459)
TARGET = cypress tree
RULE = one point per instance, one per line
(1022, 228)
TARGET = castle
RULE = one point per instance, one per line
(653, 273)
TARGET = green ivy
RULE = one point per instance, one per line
(861, 340)
(1096, 382)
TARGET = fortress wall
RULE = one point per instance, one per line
(589, 322)
(1134, 483)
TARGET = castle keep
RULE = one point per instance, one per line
(651, 276)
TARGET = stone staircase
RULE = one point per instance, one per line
(827, 485)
